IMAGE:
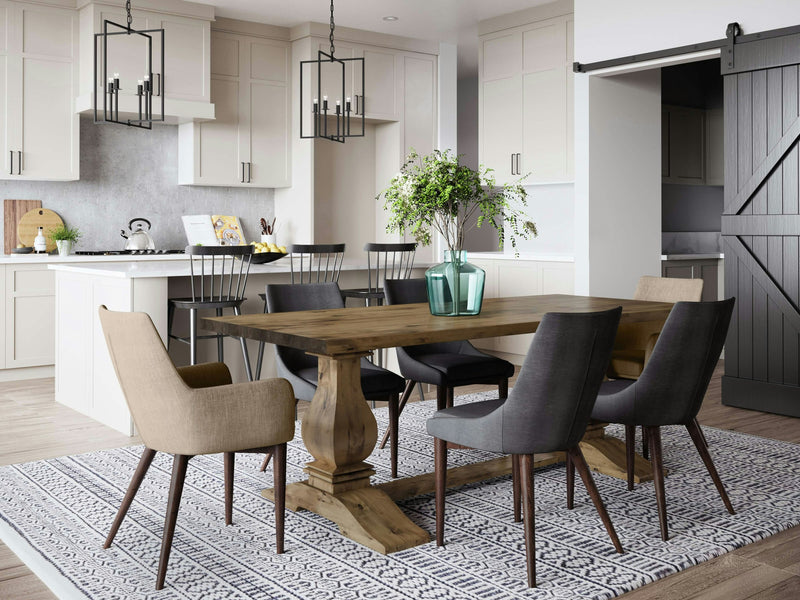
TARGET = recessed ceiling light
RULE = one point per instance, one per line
(390, 18)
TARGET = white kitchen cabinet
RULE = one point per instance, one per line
(29, 316)
(39, 128)
(187, 58)
(526, 99)
(248, 144)
(507, 277)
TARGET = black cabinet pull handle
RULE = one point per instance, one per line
(249, 171)
(19, 162)
(519, 156)
(11, 171)
(242, 172)
(512, 164)
(158, 75)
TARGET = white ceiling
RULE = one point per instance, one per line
(453, 21)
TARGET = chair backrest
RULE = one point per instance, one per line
(388, 261)
(316, 263)
(147, 376)
(295, 297)
(219, 273)
(414, 291)
(551, 402)
(668, 289)
(671, 387)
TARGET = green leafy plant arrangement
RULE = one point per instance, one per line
(64, 233)
(435, 191)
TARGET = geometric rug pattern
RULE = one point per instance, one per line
(56, 513)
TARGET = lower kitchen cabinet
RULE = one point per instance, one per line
(707, 269)
(28, 300)
(506, 277)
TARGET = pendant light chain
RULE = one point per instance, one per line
(332, 28)
(128, 8)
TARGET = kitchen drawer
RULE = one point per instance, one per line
(31, 280)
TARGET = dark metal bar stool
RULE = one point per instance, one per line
(219, 284)
(384, 261)
(309, 263)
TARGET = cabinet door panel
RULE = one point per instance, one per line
(48, 123)
(544, 48)
(380, 97)
(47, 33)
(225, 56)
(269, 135)
(4, 23)
(544, 154)
(501, 134)
(686, 142)
(184, 61)
(269, 62)
(5, 142)
(418, 105)
(219, 139)
(502, 56)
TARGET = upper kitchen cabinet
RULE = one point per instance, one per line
(526, 96)
(186, 82)
(247, 145)
(39, 129)
(683, 145)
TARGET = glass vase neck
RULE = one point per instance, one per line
(459, 256)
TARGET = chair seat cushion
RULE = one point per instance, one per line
(451, 369)
(469, 425)
(187, 303)
(626, 364)
(376, 383)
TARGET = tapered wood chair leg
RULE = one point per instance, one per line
(515, 488)
(394, 417)
(654, 439)
(702, 433)
(645, 444)
(170, 321)
(403, 401)
(502, 389)
(570, 481)
(279, 482)
(702, 448)
(529, 518)
(440, 468)
(450, 397)
(588, 481)
(421, 392)
(179, 464)
(266, 460)
(229, 460)
(133, 487)
(630, 452)
(441, 397)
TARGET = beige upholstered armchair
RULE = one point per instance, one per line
(635, 341)
(190, 411)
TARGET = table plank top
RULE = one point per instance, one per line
(362, 329)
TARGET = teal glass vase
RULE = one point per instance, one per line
(455, 287)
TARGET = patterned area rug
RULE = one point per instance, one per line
(56, 513)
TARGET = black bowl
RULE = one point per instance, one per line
(262, 258)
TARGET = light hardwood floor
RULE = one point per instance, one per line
(34, 427)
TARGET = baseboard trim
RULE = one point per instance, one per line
(761, 395)
(27, 373)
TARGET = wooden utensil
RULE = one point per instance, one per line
(32, 220)
(12, 213)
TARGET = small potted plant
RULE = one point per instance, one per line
(437, 192)
(65, 238)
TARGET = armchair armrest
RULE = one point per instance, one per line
(205, 375)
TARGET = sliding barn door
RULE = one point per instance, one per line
(761, 224)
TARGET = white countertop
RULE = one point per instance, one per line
(707, 256)
(522, 256)
(171, 268)
(39, 259)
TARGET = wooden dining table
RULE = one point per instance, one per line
(340, 431)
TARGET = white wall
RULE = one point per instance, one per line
(617, 182)
(618, 28)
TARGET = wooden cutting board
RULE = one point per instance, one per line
(31, 221)
(12, 213)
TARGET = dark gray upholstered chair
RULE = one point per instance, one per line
(670, 389)
(301, 368)
(547, 411)
(444, 364)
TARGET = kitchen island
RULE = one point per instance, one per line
(85, 379)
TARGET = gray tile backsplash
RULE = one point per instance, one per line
(691, 242)
(128, 173)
